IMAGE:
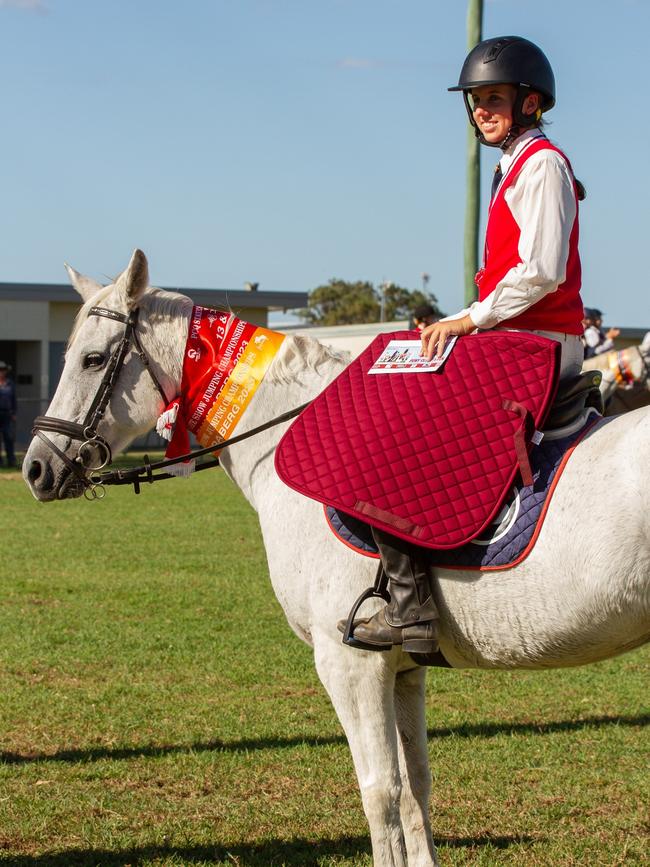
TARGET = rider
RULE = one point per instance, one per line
(423, 315)
(596, 339)
(530, 279)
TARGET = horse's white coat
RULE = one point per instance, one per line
(582, 595)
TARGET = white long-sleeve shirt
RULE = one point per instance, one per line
(597, 341)
(542, 202)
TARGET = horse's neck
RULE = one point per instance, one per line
(637, 363)
(301, 370)
(635, 358)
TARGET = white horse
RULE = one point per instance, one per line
(582, 595)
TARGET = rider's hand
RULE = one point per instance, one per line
(434, 336)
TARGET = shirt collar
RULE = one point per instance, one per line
(517, 147)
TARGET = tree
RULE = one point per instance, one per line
(342, 303)
(399, 303)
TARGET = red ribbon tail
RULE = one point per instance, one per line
(180, 441)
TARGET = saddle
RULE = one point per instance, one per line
(573, 396)
(428, 457)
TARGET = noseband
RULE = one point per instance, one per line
(94, 453)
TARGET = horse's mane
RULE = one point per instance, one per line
(304, 352)
(165, 304)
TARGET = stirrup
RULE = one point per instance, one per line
(378, 590)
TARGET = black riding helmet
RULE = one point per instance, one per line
(508, 60)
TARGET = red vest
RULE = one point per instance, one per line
(561, 310)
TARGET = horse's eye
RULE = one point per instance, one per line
(93, 359)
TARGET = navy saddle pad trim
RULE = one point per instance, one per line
(502, 544)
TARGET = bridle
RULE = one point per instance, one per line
(94, 453)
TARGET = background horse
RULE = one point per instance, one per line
(582, 594)
(626, 377)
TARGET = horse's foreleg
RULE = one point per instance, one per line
(414, 763)
(361, 686)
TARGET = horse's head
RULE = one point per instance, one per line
(105, 397)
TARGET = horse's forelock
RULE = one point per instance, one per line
(82, 315)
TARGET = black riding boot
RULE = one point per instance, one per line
(411, 616)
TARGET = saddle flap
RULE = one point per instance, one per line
(428, 457)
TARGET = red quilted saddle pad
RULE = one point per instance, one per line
(428, 457)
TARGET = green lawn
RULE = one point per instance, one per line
(155, 709)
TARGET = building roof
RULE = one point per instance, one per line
(238, 299)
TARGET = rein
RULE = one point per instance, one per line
(95, 453)
(135, 475)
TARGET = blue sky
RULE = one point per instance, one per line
(291, 141)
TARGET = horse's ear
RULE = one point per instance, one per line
(136, 278)
(85, 286)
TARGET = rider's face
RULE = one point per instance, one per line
(492, 110)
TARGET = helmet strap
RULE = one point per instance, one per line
(518, 116)
(513, 133)
(477, 131)
(520, 121)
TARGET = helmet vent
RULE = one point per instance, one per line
(495, 50)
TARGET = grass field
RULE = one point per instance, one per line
(155, 709)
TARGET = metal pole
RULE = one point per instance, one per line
(473, 192)
(385, 286)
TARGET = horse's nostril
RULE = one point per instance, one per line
(34, 471)
(40, 475)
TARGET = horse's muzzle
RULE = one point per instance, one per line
(48, 482)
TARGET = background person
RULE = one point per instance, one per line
(596, 339)
(7, 414)
(423, 315)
